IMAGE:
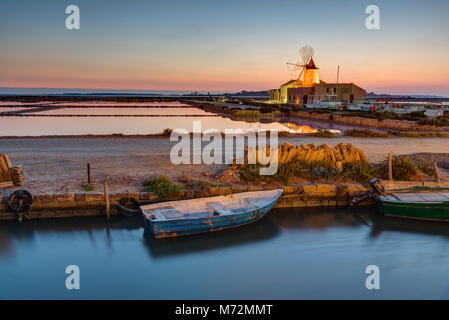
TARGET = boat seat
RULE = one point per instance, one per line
(216, 207)
(167, 212)
(258, 202)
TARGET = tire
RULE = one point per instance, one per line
(129, 207)
(20, 201)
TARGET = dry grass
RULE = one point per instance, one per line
(366, 133)
(313, 163)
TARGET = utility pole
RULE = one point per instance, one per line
(338, 75)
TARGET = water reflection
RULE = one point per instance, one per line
(26, 232)
(272, 226)
(320, 219)
(290, 254)
(429, 228)
(256, 232)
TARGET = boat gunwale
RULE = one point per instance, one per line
(414, 202)
(270, 200)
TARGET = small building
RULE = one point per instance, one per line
(433, 113)
(280, 95)
(311, 90)
(323, 92)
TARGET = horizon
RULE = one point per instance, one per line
(222, 47)
(68, 91)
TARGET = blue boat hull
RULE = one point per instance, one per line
(185, 227)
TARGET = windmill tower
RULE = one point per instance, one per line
(307, 67)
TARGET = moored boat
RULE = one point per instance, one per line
(187, 217)
(414, 203)
(426, 206)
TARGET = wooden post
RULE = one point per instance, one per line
(390, 168)
(437, 175)
(106, 200)
(88, 174)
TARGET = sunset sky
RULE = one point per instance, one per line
(223, 45)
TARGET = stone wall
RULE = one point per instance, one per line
(93, 204)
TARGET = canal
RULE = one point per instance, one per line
(290, 254)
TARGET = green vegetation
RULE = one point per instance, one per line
(256, 114)
(419, 117)
(425, 168)
(403, 168)
(358, 171)
(162, 186)
(89, 187)
(440, 121)
(167, 132)
(312, 171)
(315, 163)
(420, 134)
(366, 133)
(334, 164)
(321, 133)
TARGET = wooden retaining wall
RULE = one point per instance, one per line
(61, 205)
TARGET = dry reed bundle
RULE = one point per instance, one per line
(8, 173)
(340, 153)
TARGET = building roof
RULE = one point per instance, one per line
(295, 81)
(311, 65)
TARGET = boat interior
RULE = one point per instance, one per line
(204, 207)
(417, 197)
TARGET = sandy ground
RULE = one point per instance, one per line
(59, 164)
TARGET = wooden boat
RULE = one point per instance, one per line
(187, 217)
(415, 203)
(425, 206)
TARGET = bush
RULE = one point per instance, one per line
(89, 187)
(366, 133)
(430, 134)
(167, 132)
(162, 186)
(358, 171)
(324, 134)
(403, 167)
(425, 168)
(406, 134)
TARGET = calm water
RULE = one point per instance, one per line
(291, 254)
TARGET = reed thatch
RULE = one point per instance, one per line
(8, 173)
(340, 153)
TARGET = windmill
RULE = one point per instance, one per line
(305, 61)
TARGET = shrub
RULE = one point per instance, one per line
(420, 134)
(407, 134)
(403, 168)
(167, 132)
(366, 133)
(89, 187)
(266, 110)
(247, 113)
(162, 186)
(425, 168)
(358, 171)
(322, 133)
